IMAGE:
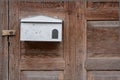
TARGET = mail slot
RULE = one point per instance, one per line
(41, 28)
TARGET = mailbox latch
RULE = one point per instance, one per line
(8, 32)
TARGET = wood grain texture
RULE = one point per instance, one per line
(3, 40)
(103, 64)
(102, 14)
(103, 39)
(80, 41)
(14, 48)
(42, 75)
(72, 39)
(36, 63)
(39, 7)
(103, 0)
(42, 5)
(66, 1)
(102, 5)
(102, 10)
(67, 70)
(102, 61)
(42, 49)
(0, 43)
(103, 75)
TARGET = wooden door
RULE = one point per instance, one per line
(103, 41)
(36, 60)
(89, 50)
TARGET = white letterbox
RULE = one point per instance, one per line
(41, 28)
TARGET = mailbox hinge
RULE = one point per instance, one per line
(8, 32)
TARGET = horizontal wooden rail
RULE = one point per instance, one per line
(103, 64)
(103, 14)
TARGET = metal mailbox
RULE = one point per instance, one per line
(41, 28)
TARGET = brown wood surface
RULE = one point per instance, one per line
(72, 38)
(65, 1)
(67, 69)
(103, 64)
(103, 75)
(102, 10)
(103, 39)
(103, 1)
(102, 14)
(102, 5)
(3, 40)
(81, 29)
(35, 63)
(42, 75)
(89, 50)
(14, 48)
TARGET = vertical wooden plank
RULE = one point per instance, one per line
(3, 40)
(67, 70)
(72, 39)
(76, 42)
(69, 41)
(0, 40)
(80, 42)
(14, 48)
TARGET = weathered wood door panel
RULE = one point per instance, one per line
(103, 41)
(90, 49)
(35, 60)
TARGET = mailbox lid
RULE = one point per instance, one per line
(42, 18)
